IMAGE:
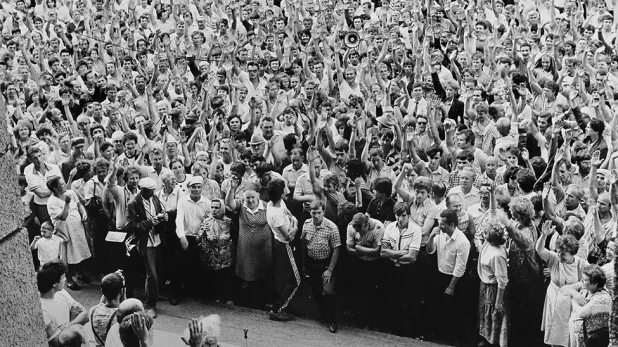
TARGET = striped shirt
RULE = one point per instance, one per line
(397, 239)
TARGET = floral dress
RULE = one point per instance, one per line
(600, 303)
(216, 244)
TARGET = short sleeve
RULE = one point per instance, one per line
(415, 244)
(32, 181)
(350, 233)
(54, 207)
(553, 259)
(335, 239)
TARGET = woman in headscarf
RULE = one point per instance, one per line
(217, 250)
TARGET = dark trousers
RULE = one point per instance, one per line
(99, 227)
(369, 279)
(287, 277)
(404, 300)
(254, 294)
(224, 284)
(41, 213)
(323, 293)
(151, 259)
(446, 310)
(427, 266)
(186, 265)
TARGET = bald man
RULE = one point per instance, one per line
(125, 309)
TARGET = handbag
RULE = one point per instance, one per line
(595, 338)
(94, 206)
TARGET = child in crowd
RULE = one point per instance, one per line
(49, 244)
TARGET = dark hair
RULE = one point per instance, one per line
(111, 286)
(127, 335)
(433, 150)
(354, 168)
(263, 168)
(53, 182)
(383, 185)
(597, 125)
(526, 180)
(450, 217)
(595, 275)
(129, 136)
(96, 126)
(275, 189)
(510, 172)
(49, 275)
(105, 145)
(538, 165)
(238, 167)
(438, 189)
(400, 208)
(466, 154)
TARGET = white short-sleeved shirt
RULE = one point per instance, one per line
(57, 312)
(277, 217)
(48, 249)
(397, 239)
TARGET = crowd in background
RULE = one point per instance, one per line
(447, 167)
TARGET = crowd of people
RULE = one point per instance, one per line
(449, 165)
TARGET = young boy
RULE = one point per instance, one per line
(49, 245)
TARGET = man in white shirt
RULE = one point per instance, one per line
(37, 174)
(192, 209)
(453, 249)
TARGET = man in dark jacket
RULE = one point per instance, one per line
(145, 226)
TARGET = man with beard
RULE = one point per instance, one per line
(156, 169)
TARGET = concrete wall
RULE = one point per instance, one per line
(21, 317)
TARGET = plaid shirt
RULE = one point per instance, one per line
(63, 127)
(486, 137)
(321, 240)
(453, 180)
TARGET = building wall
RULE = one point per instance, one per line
(21, 317)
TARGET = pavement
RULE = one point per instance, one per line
(172, 320)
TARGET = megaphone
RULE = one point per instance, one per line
(352, 39)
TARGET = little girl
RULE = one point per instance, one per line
(49, 245)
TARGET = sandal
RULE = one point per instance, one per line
(74, 286)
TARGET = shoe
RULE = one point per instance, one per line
(175, 300)
(162, 297)
(483, 344)
(281, 316)
(74, 286)
(333, 327)
(229, 302)
(152, 312)
(84, 279)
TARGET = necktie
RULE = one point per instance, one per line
(147, 208)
